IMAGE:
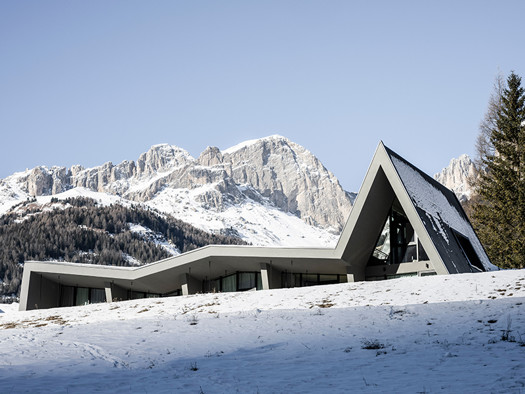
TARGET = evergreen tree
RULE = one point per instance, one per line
(499, 216)
(84, 232)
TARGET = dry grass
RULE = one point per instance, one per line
(39, 322)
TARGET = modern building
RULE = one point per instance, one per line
(403, 223)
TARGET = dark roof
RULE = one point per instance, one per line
(443, 217)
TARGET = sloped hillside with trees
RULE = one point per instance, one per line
(80, 230)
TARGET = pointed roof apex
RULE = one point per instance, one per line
(433, 211)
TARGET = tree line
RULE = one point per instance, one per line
(82, 231)
(497, 209)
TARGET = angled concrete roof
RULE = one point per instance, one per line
(434, 212)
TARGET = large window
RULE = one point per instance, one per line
(71, 295)
(247, 280)
(289, 279)
(397, 243)
(82, 296)
(469, 252)
(229, 283)
(97, 296)
(239, 281)
(67, 296)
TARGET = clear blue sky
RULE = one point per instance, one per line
(84, 82)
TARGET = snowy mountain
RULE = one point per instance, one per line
(268, 191)
(451, 334)
(455, 176)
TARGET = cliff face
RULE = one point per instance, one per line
(456, 175)
(272, 171)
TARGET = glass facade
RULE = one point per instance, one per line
(229, 283)
(137, 295)
(239, 281)
(469, 252)
(289, 279)
(67, 296)
(97, 295)
(384, 277)
(74, 296)
(397, 243)
(82, 296)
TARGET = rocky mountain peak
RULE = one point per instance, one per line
(273, 173)
(161, 158)
(455, 176)
(210, 156)
(292, 178)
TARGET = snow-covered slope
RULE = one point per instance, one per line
(269, 183)
(455, 334)
(455, 176)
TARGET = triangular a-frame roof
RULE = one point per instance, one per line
(433, 211)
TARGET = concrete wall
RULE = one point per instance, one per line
(42, 293)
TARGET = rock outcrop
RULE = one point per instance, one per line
(456, 175)
(273, 170)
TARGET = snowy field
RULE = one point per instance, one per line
(454, 334)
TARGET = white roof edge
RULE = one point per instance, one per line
(209, 251)
(359, 200)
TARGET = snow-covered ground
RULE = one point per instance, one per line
(458, 333)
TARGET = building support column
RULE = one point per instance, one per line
(270, 277)
(114, 292)
(353, 276)
(190, 285)
(107, 287)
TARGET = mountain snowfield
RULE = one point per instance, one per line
(455, 334)
(266, 191)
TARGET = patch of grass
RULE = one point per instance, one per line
(7, 326)
(326, 303)
(372, 345)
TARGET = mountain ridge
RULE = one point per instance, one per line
(256, 189)
(272, 172)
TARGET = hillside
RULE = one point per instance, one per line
(457, 333)
(82, 230)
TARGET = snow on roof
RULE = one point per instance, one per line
(429, 196)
